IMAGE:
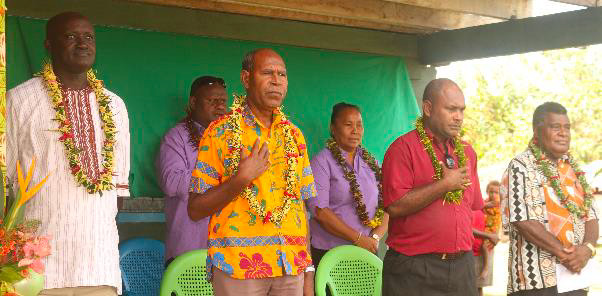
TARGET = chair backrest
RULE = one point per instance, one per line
(142, 264)
(186, 276)
(349, 270)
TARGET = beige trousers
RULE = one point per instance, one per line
(288, 285)
(81, 291)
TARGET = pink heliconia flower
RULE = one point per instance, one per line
(39, 247)
(38, 266)
(25, 262)
(43, 249)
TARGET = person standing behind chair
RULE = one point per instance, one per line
(176, 161)
(348, 208)
(252, 177)
(431, 187)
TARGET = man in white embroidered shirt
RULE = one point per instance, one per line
(88, 161)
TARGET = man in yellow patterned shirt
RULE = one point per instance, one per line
(252, 177)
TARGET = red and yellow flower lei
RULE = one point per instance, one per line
(105, 181)
(292, 153)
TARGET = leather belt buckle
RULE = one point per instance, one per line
(451, 256)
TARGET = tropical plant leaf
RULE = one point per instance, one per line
(10, 274)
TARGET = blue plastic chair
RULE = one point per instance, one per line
(142, 264)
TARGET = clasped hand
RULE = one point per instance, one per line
(574, 258)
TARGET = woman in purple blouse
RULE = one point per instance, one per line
(348, 209)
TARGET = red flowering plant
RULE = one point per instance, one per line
(20, 248)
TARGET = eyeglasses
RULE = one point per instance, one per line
(449, 160)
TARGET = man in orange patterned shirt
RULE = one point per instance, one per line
(549, 209)
(252, 177)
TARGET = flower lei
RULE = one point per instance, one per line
(105, 181)
(194, 136)
(454, 196)
(360, 207)
(292, 153)
(492, 223)
(547, 168)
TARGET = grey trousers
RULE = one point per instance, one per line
(427, 274)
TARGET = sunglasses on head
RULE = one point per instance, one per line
(213, 81)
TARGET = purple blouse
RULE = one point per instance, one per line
(333, 193)
(175, 162)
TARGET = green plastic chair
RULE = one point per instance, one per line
(186, 276)
(349, 270)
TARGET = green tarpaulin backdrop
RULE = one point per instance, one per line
(152, 72)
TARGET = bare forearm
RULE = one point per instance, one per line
(214, 199)
(486, 254)
(592, 230)
(483, 234)
(383, 227)
(334, 225)
(536, 233)
(417, 199)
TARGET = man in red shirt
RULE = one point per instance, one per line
(431, 187)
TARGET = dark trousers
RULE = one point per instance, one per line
(548, 292)
(316, 257)
(423, 275)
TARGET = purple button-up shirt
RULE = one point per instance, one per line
(176, 160)
(333, 193)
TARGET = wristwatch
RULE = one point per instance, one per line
(592, 248)
(376, 237)
(310, 268)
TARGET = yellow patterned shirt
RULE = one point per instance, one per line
(240, 243)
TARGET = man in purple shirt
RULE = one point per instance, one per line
(176, 160)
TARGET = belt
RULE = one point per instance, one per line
(440, 256)
(447, 256)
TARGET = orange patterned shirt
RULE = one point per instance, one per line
(527, 195)
(560, 221)
(240, 243)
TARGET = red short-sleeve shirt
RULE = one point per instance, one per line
(437, 228)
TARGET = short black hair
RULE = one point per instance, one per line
(247, 61)
(548, 107)
(57, 20)
(205, 80)
(338, 108)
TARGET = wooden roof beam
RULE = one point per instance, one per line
(369, 14)
(492, 8)
(588, 3)
(560, 30)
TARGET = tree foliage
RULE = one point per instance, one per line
(502, 93)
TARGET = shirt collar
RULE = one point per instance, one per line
(435, 141)
(199, 126)
(250, 119)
